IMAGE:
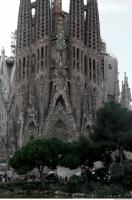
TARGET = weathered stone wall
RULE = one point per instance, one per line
(58, 76)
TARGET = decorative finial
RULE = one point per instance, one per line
(125, 78)
(3, 51)
(60, 43)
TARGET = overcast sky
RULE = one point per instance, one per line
(116, 28)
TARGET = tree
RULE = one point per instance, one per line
(57, 150)
(71, 161)
(113, 130)
(70, 157)
(35, 154)
(19, 161)
(112, 123)
(121, 174)
(38, 155)
(90, 152)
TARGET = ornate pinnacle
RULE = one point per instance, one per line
(60, 43)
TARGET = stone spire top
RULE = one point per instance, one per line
(4, 76)
(93, 39)
(125, 79)
(43, 20)
(77, 19)
(3, 51)
(126, 93)
(24, 24)
(60, 43)
(58, 12)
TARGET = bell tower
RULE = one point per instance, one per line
(92, 61)
(77, 19)
(42, 19)
(24, 24)
(24, 39)
(93, 38)
(58, 11)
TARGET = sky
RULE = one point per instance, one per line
(116, 29)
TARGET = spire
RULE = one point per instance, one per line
(125, 79)
(58, 11)
(126, 93)
(93, 39)
(60, 47)
(24, 24)
(3, 51)
(42, 19)
(77, 19)
(4, 76)
(3, 63)
(60, 43)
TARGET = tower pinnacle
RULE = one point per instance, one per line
(58, 11)
(3, 51)
(93, 39)
(77, 19)
(126, 93)
(24, 24)
(42, 19)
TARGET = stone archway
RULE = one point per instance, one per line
(60, 130)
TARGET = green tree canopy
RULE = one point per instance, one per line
(35, 154)
(19, 161)
(57, 150)
(39, 153)
(71, 161)
(112, 124)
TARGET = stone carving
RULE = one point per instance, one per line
(61, 64)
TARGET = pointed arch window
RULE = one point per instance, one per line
(19, 77)
(78, 52)
(60, 124)
(61, 101)
(33, 63)
(74, 52)
(94, 70)
(85, 65)
(24, 66)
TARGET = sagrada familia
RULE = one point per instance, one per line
(62, 73)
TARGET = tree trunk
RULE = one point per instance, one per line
(122, 158)
(41, 168)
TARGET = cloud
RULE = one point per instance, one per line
(118, 6)
(107, 6)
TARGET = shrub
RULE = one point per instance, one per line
(109, 192)
(73, 184)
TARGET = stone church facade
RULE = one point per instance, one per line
(6, 66)
(57, 86)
